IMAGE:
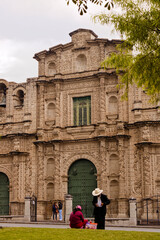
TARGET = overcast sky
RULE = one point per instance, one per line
(30, 26)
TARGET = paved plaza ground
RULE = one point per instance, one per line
(62, 225)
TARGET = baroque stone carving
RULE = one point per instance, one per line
(145, 134)
(137, 174)
(28, 175)
(38, 146)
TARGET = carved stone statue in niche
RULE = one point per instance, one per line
(16, 145)
(113, 146)
(49, 149)
(145, 134)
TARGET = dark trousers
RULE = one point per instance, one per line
(100, 220)
(55, 214)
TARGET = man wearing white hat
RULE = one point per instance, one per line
(100, 201)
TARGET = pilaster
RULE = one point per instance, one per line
(133, 212)
(122, 185)
(41, 102)
(58, 94)
(103, 163)
(102, 100)
(146, 172)
(68, 207)
(40, 175)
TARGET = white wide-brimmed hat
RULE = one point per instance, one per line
(97, 192)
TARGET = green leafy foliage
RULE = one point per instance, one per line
(83, 4)
(138, 58)
(139, 23)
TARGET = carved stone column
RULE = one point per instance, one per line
(146, 172)
(57, 171)
(15, 178)
(122, 187)
(136, 187)
(41, 107)
(21, 178)
(59, 61)
(102, 100)
(65, 184)
(58, 104)
(28, 175)
(103, 164)
(41, 67)
(40, 174)
(122, 201)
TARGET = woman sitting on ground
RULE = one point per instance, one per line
(76, 218)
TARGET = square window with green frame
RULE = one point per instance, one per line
(82, 111)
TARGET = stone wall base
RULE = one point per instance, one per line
(119, 222)
(16, 208)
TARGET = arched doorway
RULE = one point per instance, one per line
(4, 194)
(82, 181)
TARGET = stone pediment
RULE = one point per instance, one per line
(113, 175)
(49, 178)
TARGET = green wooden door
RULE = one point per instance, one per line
(4, 194)
(82, 181)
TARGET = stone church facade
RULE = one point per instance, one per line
(68, 131)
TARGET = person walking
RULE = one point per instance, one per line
(99, 202)
(76, 218)
(60, 205)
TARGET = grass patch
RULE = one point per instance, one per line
(72, 234)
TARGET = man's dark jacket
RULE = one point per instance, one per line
(105, 202)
